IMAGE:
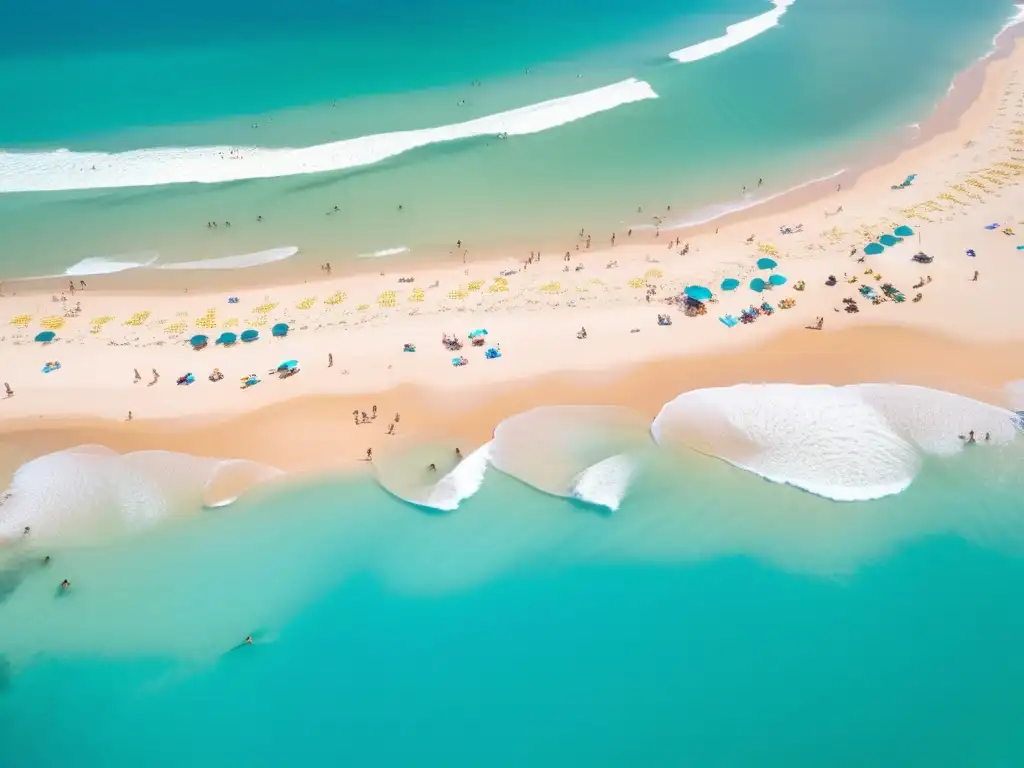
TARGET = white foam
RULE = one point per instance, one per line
(1013, 21)
(735, 34)
(65, 170)
(461, 483)
(384, 252)
(1015, 394)
(242, 261)
(108, 265)
(848, 443)
(605, 483)
(720, 210)
(92, 491)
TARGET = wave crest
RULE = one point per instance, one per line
(735, 34)
(850, 443)
(66, 170)
(91, 491)
(241, 261)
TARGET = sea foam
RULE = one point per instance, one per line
(108, 265)
(241, 261)
(91, 491)
(67, 170)
(850, 443)
(735, 34)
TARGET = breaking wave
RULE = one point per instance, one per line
(242, 261)
(852, 443)
(91, 491)
(383, 252)
(108, 265)
(67, 170)
(735, 34)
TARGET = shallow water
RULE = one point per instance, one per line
(525, 627)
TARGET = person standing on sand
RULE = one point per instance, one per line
(7, 388)
(156, 376)
(975, 276)
(129, 416)
(369, 454)
(330, 360)
(398, 417)
(375, 411)
(138, 376)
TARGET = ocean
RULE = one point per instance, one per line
(676, 609)
(269, 117)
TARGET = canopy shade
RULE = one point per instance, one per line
(730, 284)
(227, 338)
(199, 340)
(888, 240)
(767, 263)
(250, 335)
(281, 329)
(698, 292)
(757, 284)
(46, 336)
(873, 249)
(777, 279)
(903, 231)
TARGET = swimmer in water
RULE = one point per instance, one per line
(248, 640)
(65, 584)
(46, 560)
(431, 468)
(458, 454)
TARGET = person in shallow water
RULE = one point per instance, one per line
(458, 454)
(65, 584)
(431, 468)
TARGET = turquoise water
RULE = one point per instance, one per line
(714, 619)
(120, 78)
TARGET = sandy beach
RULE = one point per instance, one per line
(960, 335)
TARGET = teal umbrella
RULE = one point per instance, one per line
(281, 329)
(757, 284)
(477, 332)
(777, 279)
(198, 341)
(730, 284)
(250, 335)
(227, 338)
(698, 292)
(46, 337)
(888, 240)
(903, 231)
(873, 249)
(288, 365)
(767, 263)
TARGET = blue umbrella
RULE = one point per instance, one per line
(698, 292)
(873, 249)
(227, 338)
(281, 329)
(757, 284)
(477, 332)
(730, 284)
(46, 336)
(250, 335)
(767, 263)
(903, 231)
(777, 279)
(888, 240)
(198, 341)
(288, 365)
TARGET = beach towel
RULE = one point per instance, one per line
(48, 367)
(728, 321)
(992, 226)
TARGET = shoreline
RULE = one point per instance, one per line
(867, 158)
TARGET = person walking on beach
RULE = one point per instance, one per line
(398, 417)
(156, 377)
(129, 416)
(138, 376)
(391, 428)
(375, 411)
(355, 415)
(369, 454)
(330, 360)
(7, 388)
(975, 276)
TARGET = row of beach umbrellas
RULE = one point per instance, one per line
(702, 293)
(227, 338)
(887, 241)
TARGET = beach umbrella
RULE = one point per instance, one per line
(873, 249)
(250, 335)
(478, 332)
(698, 292)
(888, 240)
(46, 336)
(227, 338)
(767, 263)
(757, 284)
(730, 284)
(288, 365)
(198, 341)
(281, 329)
(903, 231)
(777, 279)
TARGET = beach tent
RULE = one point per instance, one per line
(777, 279)
(227, 338)
(45, 337)
(903, 231)
(281, 329)
(250, 335)
(757, 284)
(698, 292)
(888, 240)
(767, 263)
(873, 249)
(199, 341)
(730, 284)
